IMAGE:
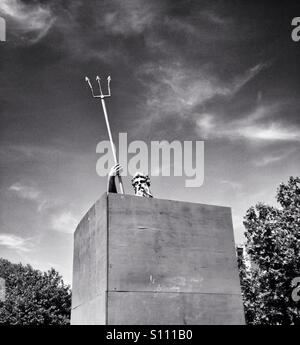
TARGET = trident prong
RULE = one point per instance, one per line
(98, 80)
(108, 85)
(101, 95)
(87, 79)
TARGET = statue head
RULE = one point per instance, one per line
(141, 185)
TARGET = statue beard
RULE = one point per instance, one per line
(144, 191)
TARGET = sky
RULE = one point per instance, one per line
(222, 72)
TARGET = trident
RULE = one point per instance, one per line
(102, 96)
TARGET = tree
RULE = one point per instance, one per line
(33, 297)
(273, 245)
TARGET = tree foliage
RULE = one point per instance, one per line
(33, 297)
(273, 246)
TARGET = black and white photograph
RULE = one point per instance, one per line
(149, 165)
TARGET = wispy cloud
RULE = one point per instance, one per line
(32, 19)
(241, 80)
(234, 185)
(216, 18)
(128, 17)
(105, 23)
(65, 222)
(206, 125)
(176, 89)
(176, 24)
(259, 125)
(270, 158)
(35, 195)
(25, 192)
(15, 242)
(269, 132)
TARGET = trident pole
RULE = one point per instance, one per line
(102, 96)
(112, 143)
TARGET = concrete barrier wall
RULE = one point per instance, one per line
(89, 288)
(153, 261)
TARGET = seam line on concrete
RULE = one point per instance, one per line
(169, 292)
(174, 292)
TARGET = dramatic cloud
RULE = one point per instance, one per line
(258, 125)
(32, 20)
(176, 89)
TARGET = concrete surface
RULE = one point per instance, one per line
(164, 308)
(89, 286)
(152, 261)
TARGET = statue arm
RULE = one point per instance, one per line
(111, 184)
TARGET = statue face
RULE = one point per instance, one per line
(141, 186)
